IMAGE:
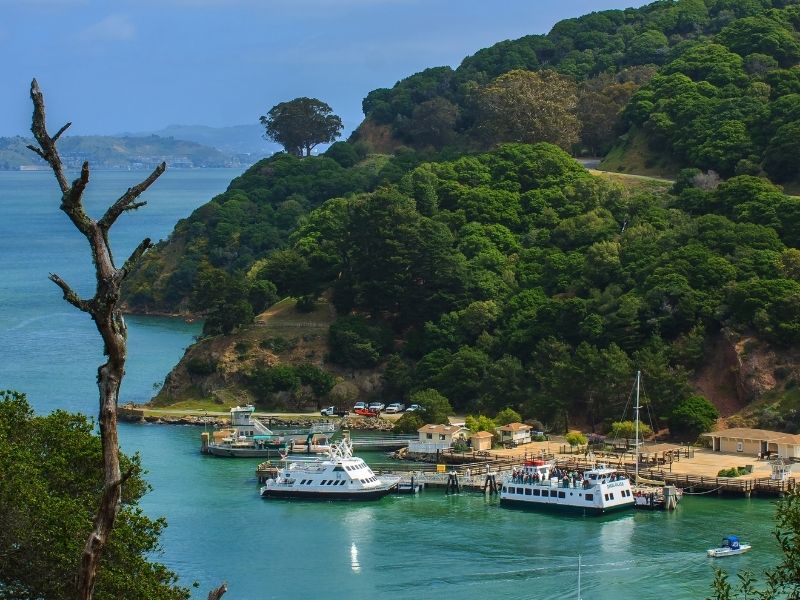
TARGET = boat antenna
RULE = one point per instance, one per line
(637, 407)
(579, 577)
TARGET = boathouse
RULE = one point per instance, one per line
(515, 433)
(481, 440)
(755, 442)
(436, 437)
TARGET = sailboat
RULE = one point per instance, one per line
(649, 494)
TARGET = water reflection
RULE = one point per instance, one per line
(354, 564)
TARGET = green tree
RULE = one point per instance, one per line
(576, 438)
(410, 422)
(435, 407)
(480, 423)
(692, 416)
(626, 430)
(527, 106)
(506, 416)
(301, 124)
(52, 470)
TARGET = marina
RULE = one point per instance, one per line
(372, 549)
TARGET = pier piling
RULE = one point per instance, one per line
(453, 486)
(490, 484)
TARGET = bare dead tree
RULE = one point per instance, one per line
(104, 310)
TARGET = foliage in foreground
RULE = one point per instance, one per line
(52, 476)
(782, 580)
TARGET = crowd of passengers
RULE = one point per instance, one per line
(566, 478)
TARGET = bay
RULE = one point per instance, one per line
(221, 530)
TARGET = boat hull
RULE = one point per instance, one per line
(720, 553)
(312, 495)
(563, 508)
(243, 452)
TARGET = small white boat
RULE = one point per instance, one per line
(729, 547)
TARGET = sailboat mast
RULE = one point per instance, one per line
(636, 468)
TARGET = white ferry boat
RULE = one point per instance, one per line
(341, 476)
(539, 485)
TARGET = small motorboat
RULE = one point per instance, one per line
(729, 547)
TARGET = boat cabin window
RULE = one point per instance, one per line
(553, 493)
(589, 497)
(535, 492)
(527, 491)
(338, 468)
(562, 495)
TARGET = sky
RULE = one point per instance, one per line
(139, 65)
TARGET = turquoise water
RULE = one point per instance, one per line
(220, 529)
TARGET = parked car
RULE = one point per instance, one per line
(414, 408)
(331, 411)
(395, 407)
(361, 405)
(376, 406)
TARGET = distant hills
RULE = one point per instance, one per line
(180, 146)
(236, 139)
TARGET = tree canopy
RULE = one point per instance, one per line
(301, 124)
(52, 470)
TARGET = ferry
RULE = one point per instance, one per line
(340, 476)
(540, 485)
(247, 437)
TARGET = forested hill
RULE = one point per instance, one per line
(712, 84)
(502, 274)
(509, 278)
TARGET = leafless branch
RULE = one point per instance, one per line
(143, 246)
(216, 594)
(70, 295)
(60, 131)
(127, 200)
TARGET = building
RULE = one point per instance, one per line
(437, 437)
(515, 433)
(755, 442)
(482, 440)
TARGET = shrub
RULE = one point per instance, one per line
(576, 438)
(692, 416)
(409, 423)
(198, 365)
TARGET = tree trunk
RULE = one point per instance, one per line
(104, 310)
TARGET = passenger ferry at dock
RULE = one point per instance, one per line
(341, 476)
(540, 485)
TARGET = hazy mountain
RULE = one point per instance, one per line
(236, 139)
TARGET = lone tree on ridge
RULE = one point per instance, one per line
(104, 310)
(301, 124)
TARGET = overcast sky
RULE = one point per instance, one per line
(138, 65)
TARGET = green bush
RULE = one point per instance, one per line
(692, 416)
(410, 422)
(733, 472)
(198, 365)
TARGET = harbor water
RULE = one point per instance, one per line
(464, 546)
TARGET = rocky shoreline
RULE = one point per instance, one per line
(133, 414)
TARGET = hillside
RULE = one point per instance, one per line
(505, 274)
(515, 278)
(712, 85)
(108, 152)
